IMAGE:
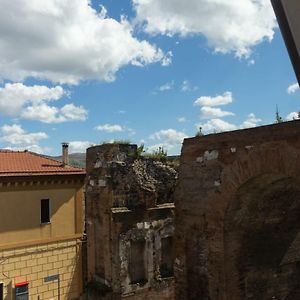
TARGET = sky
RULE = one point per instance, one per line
(148, 71)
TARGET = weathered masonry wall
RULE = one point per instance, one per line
(237, 215)
(130, 227)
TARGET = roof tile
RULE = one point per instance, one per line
(26, 163)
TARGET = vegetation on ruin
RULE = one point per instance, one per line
(160, 154)
(278, 118)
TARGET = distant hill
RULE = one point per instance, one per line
(75, 159)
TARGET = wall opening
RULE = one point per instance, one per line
(137, 266)
(1, 291)
(45, 211)
(167, 257)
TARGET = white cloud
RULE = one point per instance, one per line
(224, 99)
(251, 121)
(187, 86)
(51, 114)
(79, 146)
(167, 59)
(14, 96)
(110, 128)
(218, 125)
(292, 116)
(18, 139)
(67, 41)
(31, 102)
(229, 26)
(212, 112)
(167, 86)
(293, 88)
(167, 138)
(181, 119)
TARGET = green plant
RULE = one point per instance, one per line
(140, 150)
(159, 154)
(278, 118)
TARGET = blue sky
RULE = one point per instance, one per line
(150, 71)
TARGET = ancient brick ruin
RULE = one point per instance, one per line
(238, 215)
(130, 226)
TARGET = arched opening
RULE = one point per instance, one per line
(262, 240)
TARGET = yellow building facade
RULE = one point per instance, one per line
(41, 228)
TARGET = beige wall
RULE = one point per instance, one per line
(20, 214)
(33, 264)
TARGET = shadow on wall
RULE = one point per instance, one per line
(261, 226)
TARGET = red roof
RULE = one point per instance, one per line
(26, 163)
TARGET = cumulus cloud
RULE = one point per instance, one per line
(292, 116)
(219, 125)
(218, 100)
(79, 146)
(52, 114)
(233, 26)
(32, 103)
(208, 112)
(17, 138)
(67, 41)
(167, 138)
(110, 128)
(293, 88)
(14, 96)
(251, 121)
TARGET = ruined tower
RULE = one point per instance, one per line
(129, 213)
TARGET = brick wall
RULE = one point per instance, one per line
(237, 215)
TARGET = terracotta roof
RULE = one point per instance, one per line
(26, 163)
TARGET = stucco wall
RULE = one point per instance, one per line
(20, 213)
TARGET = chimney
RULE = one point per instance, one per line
(65, 153)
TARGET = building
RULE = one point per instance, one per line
(130, 225)
(237, 204)
(41, 227)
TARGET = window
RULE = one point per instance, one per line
(21, 291)
(1, 291)
(45, 211)
(167, 257)
(137, 270)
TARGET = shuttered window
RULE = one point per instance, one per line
(45, 211)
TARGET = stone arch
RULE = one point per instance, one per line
(256, 175)
(276, 158)
(259, 228)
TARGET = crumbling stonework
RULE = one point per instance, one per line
(129, 215)
(237, 215)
